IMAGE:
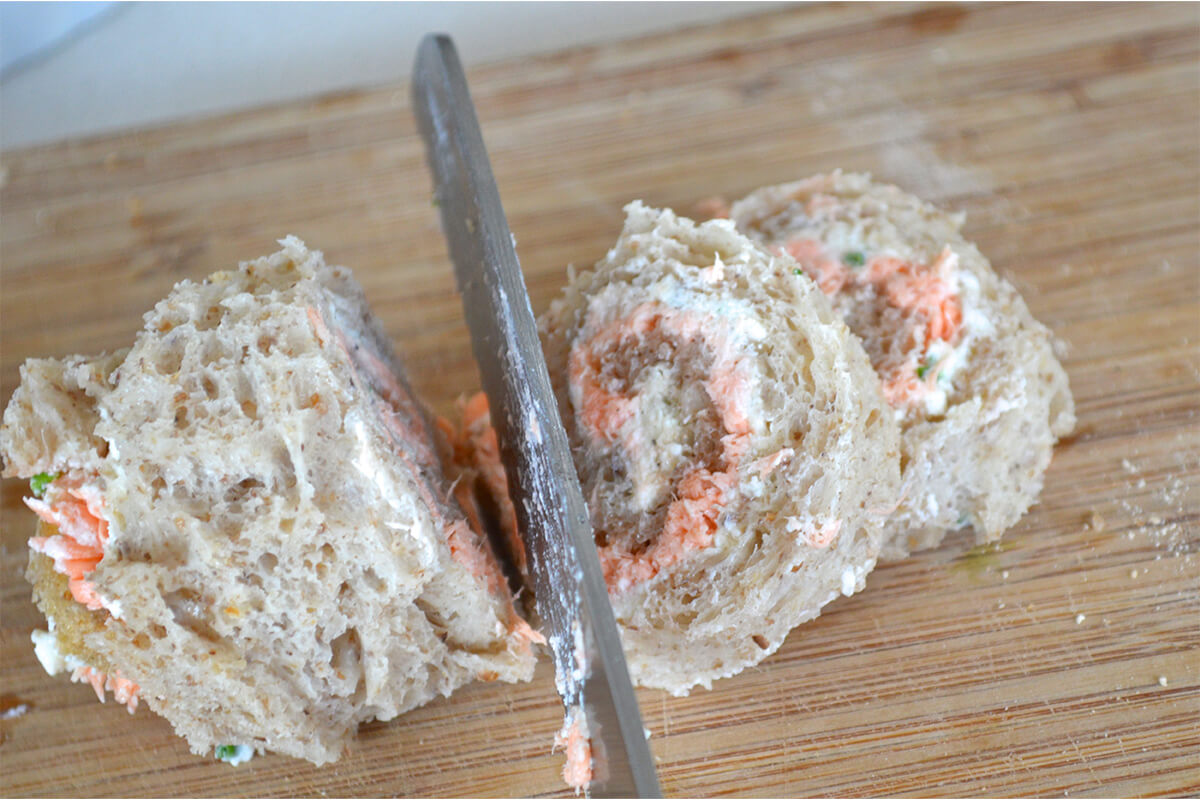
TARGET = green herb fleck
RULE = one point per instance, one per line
(944, 382)
(930, 361)
(234, 754)
(854, 258)
(39, 482)
(797, 271)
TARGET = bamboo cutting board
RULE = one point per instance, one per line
(1065, 661)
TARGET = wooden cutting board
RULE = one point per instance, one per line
(1065, 661)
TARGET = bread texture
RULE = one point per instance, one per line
(970, 375)
(734, 450)
(277, 551)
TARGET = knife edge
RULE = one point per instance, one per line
(590, 670)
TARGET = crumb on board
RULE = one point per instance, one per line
(13, 712)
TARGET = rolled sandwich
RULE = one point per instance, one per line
(734, 450)
(245, 521)
(969, 374)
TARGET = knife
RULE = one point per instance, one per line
(568, 584)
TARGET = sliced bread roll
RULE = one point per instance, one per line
(969, 373)
(246, 522)
(733, 447)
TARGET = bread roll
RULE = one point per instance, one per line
(733, 447)
(970, 375)
(249, 526)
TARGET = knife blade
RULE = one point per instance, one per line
(572, 599)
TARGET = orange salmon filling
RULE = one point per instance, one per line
(713, 207)
(74, 509)
(484, 448)
(927, 309)
(577, 771)
(607, 408)
(79, 544)
(124, 690)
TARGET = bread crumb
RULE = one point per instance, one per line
(1133, 573)
(1004, 575)
(1095, 521)
(848, 581)
(23, 708)
(1162, 680)
(1079, 618)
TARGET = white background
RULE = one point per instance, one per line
(82, 69)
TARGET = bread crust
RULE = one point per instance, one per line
(975, 451)
(717, 363)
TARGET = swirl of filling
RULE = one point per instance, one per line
(664, 392)
(909, 314)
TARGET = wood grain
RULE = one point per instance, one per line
(1066, 661)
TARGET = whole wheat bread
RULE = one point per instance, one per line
(971, 375)
(735, 452)
(285, 555)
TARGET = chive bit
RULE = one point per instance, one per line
(854, 258)
(797, 271)
(39, 482)
(930, 361)
(226, 751)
